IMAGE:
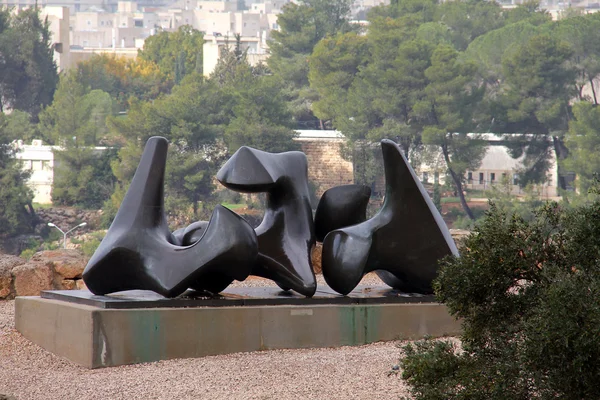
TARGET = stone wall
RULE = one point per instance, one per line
(67, 217)
(46, 270)
(326, 166)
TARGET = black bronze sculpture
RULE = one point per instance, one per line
(286, 234)
(139, 251)
(339, 207)
(190, 234)
(402, 242)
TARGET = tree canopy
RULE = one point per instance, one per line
(17, 213)
(28, 73)
(176, 53)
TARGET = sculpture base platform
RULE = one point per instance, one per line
(138, 326)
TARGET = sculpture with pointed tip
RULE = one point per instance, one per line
(139, 251)
(339, 207)
(402, 242)
(286, 234)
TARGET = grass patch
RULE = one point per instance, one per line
(234, 207)
(39, 206)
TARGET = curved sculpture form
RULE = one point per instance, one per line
(286, 234)
(139, 251)
(190, 234)
(339, 207)
(402, 242)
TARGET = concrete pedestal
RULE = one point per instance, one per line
(95, 336)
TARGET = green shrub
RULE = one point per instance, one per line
(528, 294)
(27, 253)
(89, 246)
(30, 248)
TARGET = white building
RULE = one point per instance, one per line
(38, 159)
(497, 168)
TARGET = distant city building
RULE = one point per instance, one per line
(82, 28)
(39, 160)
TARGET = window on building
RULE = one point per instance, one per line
(36, 165)
(101, 23)
(481, 180)
(493, 176)
(139, 23)
(469, 177)
(515, 179)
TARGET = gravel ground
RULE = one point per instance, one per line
(28, 372)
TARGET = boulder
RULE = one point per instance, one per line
(315, 256)
(69, 264)
(31, 278)
(7, 264)
(80, 284)
(68, 284)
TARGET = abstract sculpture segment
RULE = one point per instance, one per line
(139, 251)
(286, 234)
(402, 242)
(339, 207)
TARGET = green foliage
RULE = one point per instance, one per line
(333, 64)
(28, 253)
(76, 115)
(301, 26)
(17, 214)
(204, 121)
(83, 177)
(176, 53)
(258, 116)
(524, 206)
(583, 141)
(583, 35)
(437, 196)
(89, 247)
(28, 74)
(30, 248)
(526, 292)
(19, 126)
(77, 121)
(123, 78)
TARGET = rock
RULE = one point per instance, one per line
(31, 278)
(69, 264)
(68, 284)
(7, 264)
(315, 255)
(80, 284)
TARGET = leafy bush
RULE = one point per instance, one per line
(27, 253)
(528, 293)
(89, 246)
